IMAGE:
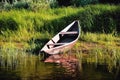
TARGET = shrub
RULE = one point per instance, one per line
(53, 3)
(83, 2)
(76, 2)
(21, 4)
(110, 1)
(27, 4)
(93, 18)
(8, 24)
(63, 2)
(100, 18)
(37, 26)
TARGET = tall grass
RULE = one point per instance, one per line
(99, 48)
(97, 37)
(30, 30)
(46, 20)
(12, 57)
(92, 18)
(106, 55)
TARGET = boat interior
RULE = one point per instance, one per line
(67, 37)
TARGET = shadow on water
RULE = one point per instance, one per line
(8, 74)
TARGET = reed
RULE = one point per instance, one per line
(23, 31)
(28, 23)
(100, 49)
(101, 56)
(101, 38)
(12, 58)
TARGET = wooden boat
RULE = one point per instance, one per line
(64, 40)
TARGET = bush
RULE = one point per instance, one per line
(83, 2)
(110, 1)
(27, 4)
(93, 18)
(76, 2)
(53, 4)
(21, 5)
(98, 18)
(8, 24)
(108, 20)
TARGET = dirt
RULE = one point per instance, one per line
(70, 57)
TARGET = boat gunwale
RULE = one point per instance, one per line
(64, 45)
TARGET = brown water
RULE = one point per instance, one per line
(34, 69)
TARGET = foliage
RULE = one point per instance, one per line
(110, 1)
(63, 2)
(83, 2)
(8, 24)
(108, 55)
(38, 4)
(101, 18)
(76, 2)
(92, 37)
(21, 4)
(98, 18)
(27, 4)
(53, 3)
(36, 28)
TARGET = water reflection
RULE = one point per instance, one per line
(31, 68)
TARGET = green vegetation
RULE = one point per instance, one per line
(23, 32)
(99, 49)
(33, 5)
(76, 2)
(24, 27)
(36, 5)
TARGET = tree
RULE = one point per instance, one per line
(76, 2)
(64, 2)
(110, 1)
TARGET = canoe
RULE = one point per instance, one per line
(64, 40)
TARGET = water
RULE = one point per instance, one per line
(33, 69)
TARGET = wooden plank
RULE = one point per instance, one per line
(52, 41)
(56, 44)
(72, 32)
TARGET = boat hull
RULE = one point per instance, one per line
(64, 40)
(61, 49)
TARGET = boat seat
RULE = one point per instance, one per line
(52, 44)
(70, 32)
(52, 40)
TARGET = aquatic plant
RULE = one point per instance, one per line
(101, 56)
(30, 30)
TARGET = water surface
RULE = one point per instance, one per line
(34, 69)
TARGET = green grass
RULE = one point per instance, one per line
(98, 37)
(23, 25)
(99, 48)
(101, 56)
(27, 31)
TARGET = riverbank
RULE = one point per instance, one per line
(23, 33)
(29, 30)
(102, 49)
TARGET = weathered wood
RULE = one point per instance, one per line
(64, 40)
(72, 32)
(52, 41)
(56, 44)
